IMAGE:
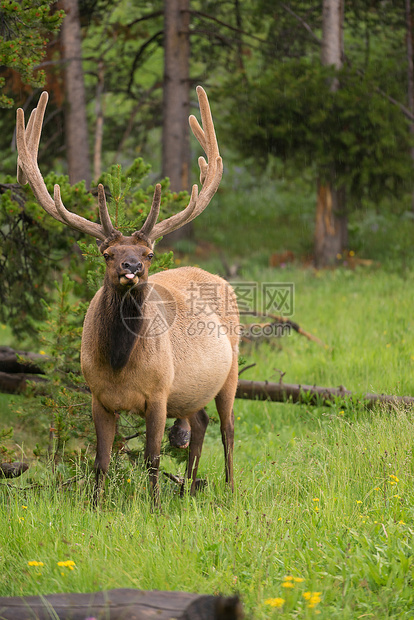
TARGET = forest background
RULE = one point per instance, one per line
(313, 106)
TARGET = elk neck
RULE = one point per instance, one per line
(120, 322)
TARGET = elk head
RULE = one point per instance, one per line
(135, 250)
(128, 260)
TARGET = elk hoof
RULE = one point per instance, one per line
(180, 434)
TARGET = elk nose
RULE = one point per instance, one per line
(132, 266)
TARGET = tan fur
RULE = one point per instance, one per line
(175, 373)
(128, 365)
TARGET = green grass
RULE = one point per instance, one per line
(323, 494)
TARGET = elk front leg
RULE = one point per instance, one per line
(155, 418)
(105, 427)
(198, 423)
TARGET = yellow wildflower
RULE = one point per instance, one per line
(288, 584)
(298, 579)
(24, 507)
(288, 578)
(275, 602)
(35, 563)
(67, 564)
(358, 501)
(128, 479)
(314, 599)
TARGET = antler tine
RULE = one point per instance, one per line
(103, 212)
(28, 172)
(152, 216)
(32, 134)
(210, 173)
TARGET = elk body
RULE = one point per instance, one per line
(162, 345)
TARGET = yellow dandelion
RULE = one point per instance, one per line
(298, 579)
(314, 599)
(129, 480)
(42, 352)
(359, 501)
(275, 602)
(288, 578)
(67, 564)
(306, 596)
(288, 584)
(24, 507)
(315, 499)
(351, 253)
(35, 563)
(401, 523)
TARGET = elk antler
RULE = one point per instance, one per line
(27, 140)
(210, 175)
(28, 172)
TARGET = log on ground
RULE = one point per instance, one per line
(122, 604)
(10, 362)
(16, 383)
(312, 394)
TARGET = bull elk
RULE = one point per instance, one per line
(158, 346)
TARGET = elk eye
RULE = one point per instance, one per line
(106, 256)
(150, 256)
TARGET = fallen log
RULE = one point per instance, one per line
(13, 470)
(10, 363)
(16, 383)
(312, 394)
(123, 604)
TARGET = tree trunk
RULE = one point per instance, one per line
(99, 111)
(176, 161)
(410, 74)
(77, 145)
(331, 220)
(331, 226)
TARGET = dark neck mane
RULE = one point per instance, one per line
(121, 321)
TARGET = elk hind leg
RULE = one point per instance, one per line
(105, 427)
(224, 404)
(198, 424)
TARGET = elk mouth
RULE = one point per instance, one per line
(129, 279)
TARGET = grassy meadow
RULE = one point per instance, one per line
(321, 522)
